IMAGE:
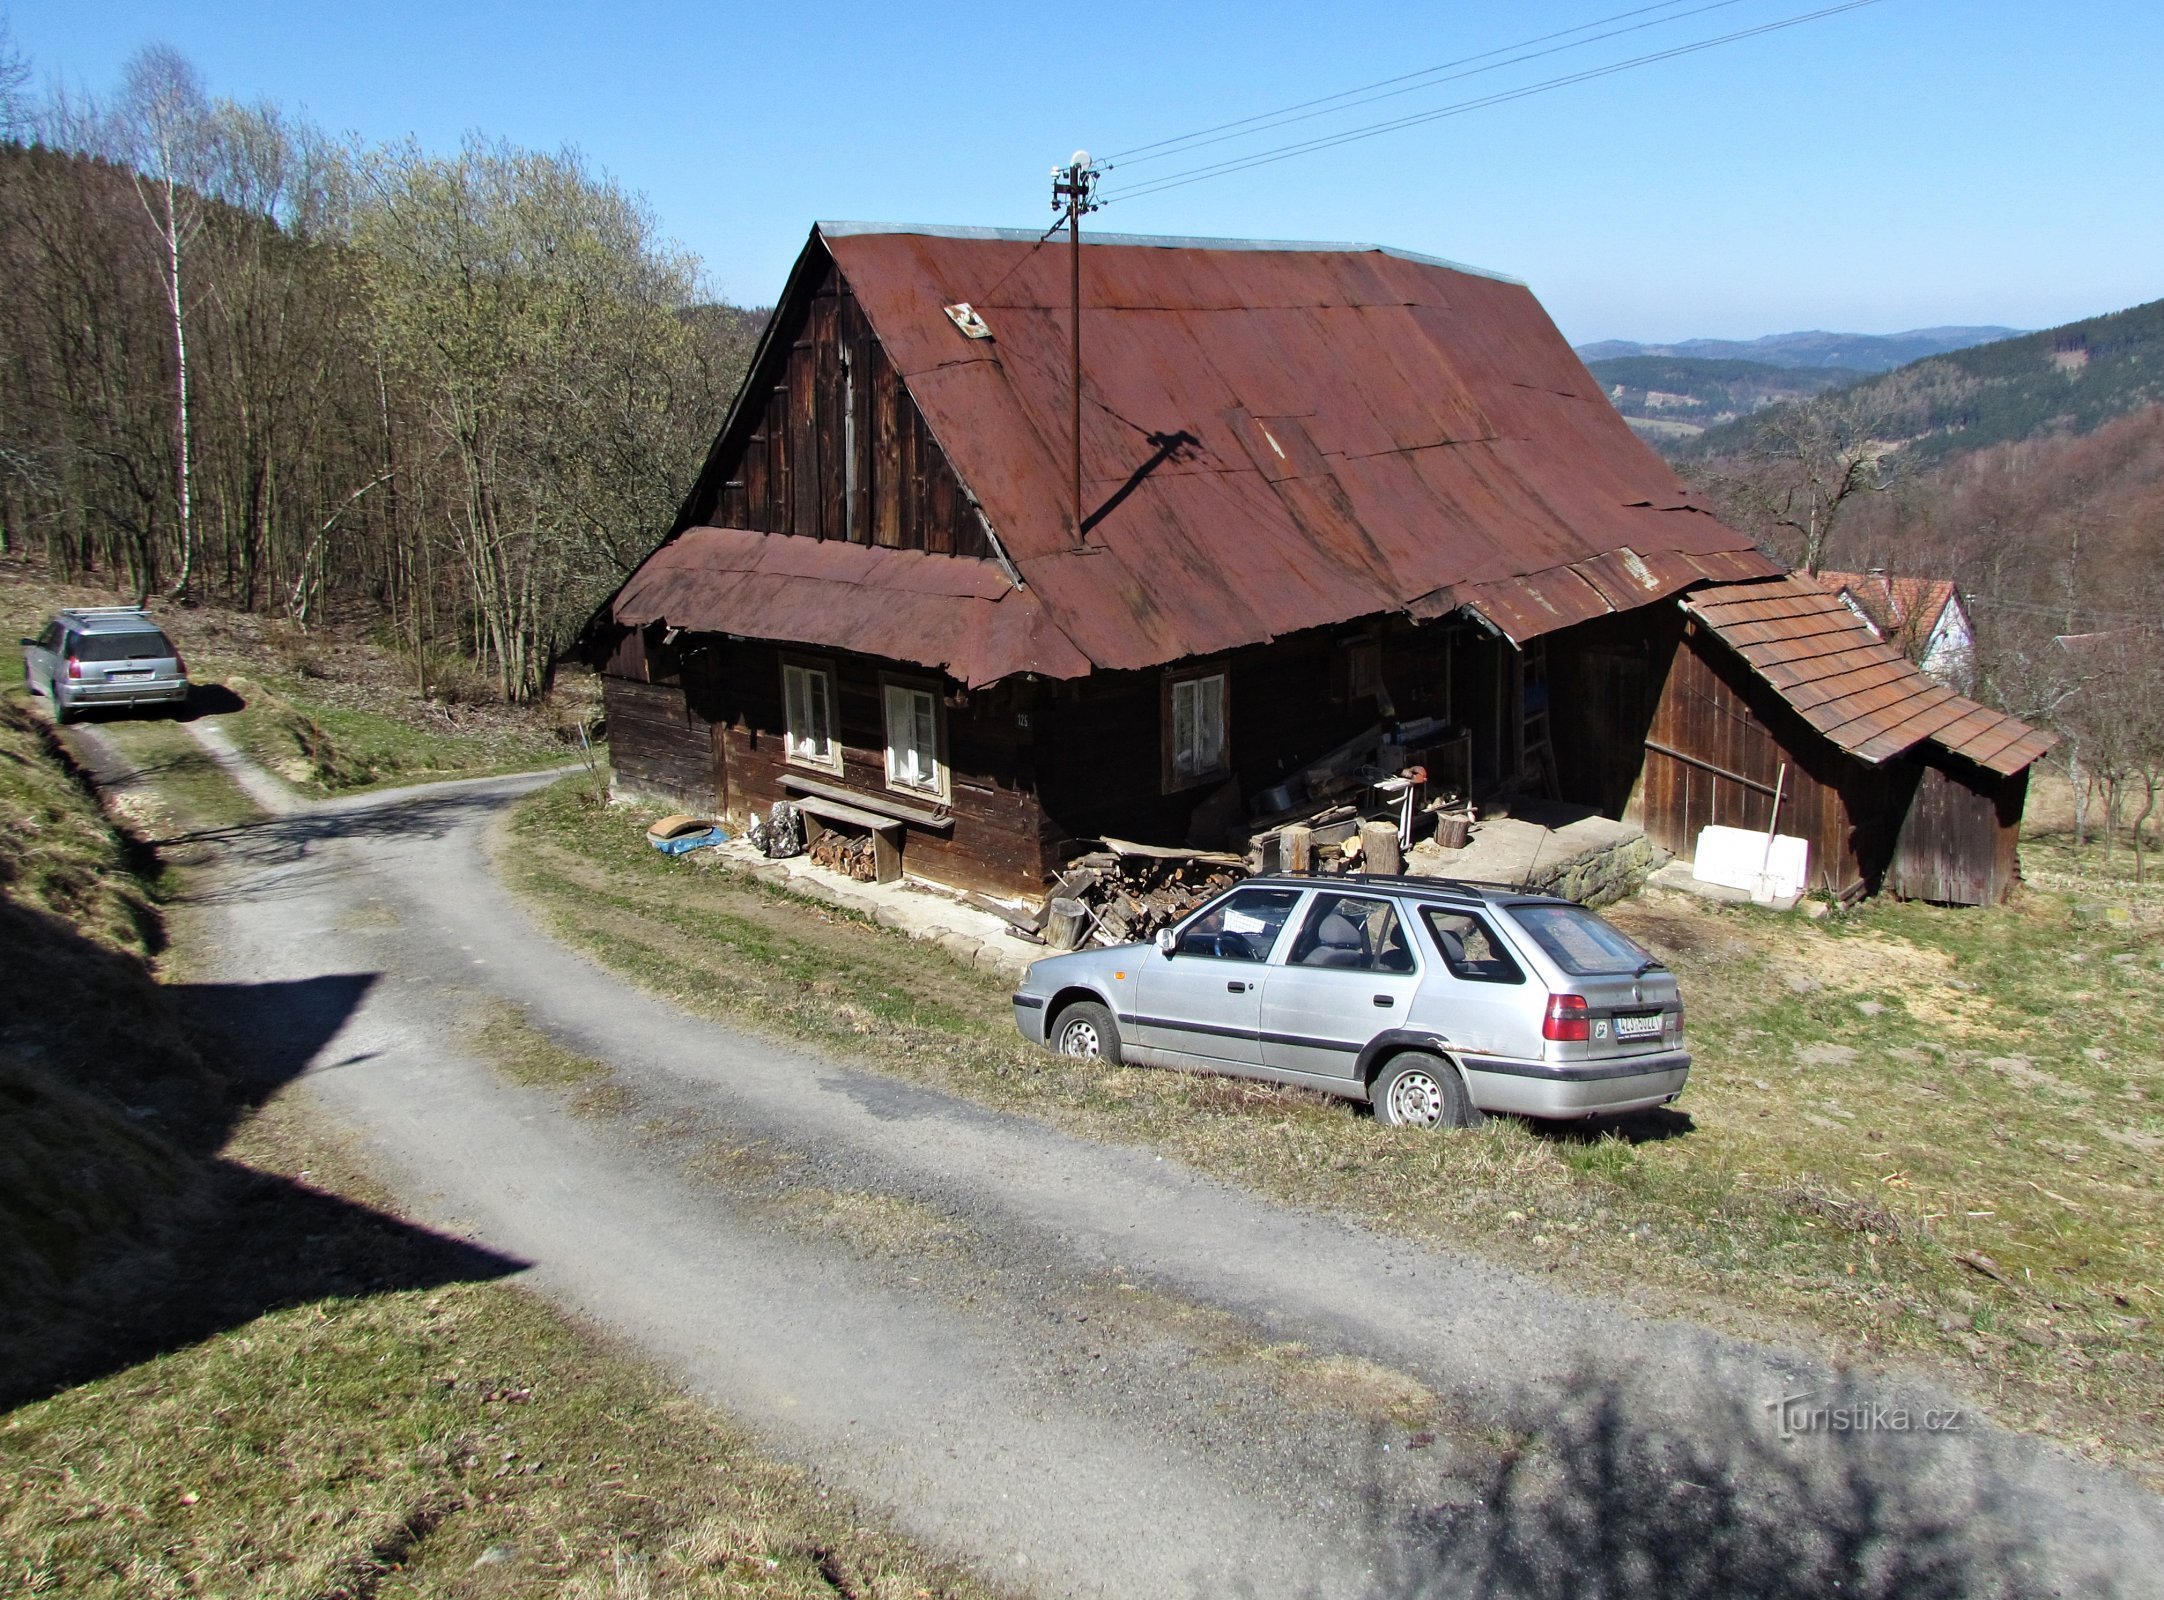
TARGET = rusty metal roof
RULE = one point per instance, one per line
(1275, 437)
(960, 617)
(1866, 697)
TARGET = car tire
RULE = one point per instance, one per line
(1419, 1090)
(1086, 1031)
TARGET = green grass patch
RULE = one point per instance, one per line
(1911, 1132)
(325, 749)
(524, 1054)
(174, 786)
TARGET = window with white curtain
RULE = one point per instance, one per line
(808, 701)
(913, 740)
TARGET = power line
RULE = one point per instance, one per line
(1375, 130)
(1370, 93)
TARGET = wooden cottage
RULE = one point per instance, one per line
(1325, 487)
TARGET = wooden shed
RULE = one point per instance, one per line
(1896, 782)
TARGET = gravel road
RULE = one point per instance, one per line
(1084, 1369)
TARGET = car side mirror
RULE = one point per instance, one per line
(1167, 941)
(27, 644)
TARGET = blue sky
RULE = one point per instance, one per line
(1912, 163)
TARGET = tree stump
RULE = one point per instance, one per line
(1295, 848)
(1065, 923)
(1379, 848)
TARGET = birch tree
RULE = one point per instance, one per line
(163, 117)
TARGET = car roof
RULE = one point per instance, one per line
(1431, 888)
(110, 619)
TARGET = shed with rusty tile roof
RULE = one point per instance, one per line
(1896, 782)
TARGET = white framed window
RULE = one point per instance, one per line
(808, 708)
(1195, 730)
(913, 753)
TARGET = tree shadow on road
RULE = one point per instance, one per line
(1591, 1499)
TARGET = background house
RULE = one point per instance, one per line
(1326, 488)
(1924, 618)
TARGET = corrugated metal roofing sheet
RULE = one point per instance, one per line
(1366, 431)
(1865, 696)
(960, 617)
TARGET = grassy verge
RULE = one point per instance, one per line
(1912, 1133)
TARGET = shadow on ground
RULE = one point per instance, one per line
(124, 1230)
(1588, 1500)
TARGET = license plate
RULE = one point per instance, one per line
(1638, 1027)
(115, 677)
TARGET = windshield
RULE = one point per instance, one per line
(143, 644)
(1580, 942)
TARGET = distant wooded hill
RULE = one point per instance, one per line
(1840, 352)
(2064, 381)
(1671, 400)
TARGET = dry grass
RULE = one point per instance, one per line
(1913, 1134)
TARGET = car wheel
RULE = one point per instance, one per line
(1086, 1031)
(1418, 1090)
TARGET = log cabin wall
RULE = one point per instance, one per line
(830, 445)
(658, 745)
(996, 839)
(1714, 749)
(1101, 740)
(1606, 678)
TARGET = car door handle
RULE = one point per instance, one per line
(1386, 1000)
(1235, 987)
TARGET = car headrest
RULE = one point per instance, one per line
(1338, 932)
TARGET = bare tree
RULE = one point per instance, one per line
(165, 120)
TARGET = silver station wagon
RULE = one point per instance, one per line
(103, 656)
(1432, 1000)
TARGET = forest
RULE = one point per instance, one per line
(251, 364)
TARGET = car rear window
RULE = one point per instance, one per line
(1580, 942)
(142, 644)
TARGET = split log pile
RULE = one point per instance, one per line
(851, 854)
(1123, 893)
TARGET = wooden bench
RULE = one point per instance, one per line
(886, 832)
(877, 815)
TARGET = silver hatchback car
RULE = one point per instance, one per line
(1432, 1000)
(95, 656)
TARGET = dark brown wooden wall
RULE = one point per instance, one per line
(1958, 839)
(997, 841)
(1725, 721)
(824, 388)
(1100, 739)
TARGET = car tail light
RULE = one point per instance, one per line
(1568, 1019)
(180, 663)
(75, 668)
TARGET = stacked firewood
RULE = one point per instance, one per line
(1120, 896)
(850, 854)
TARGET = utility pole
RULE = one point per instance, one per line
(1072, 188)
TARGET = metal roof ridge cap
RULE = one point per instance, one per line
(1163, 241)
